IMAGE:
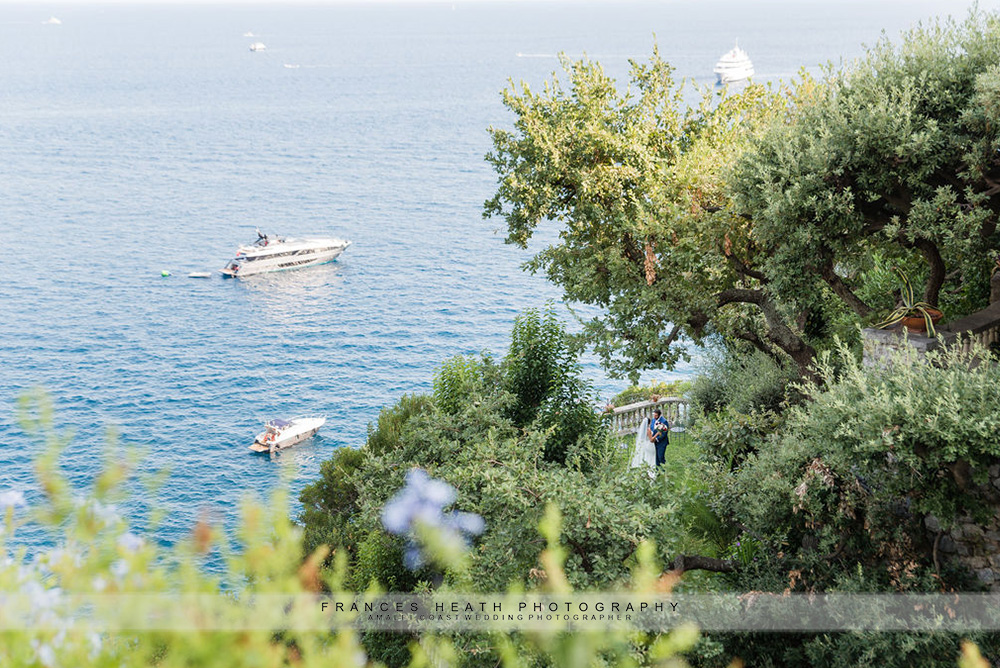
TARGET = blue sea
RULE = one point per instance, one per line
(142, 138)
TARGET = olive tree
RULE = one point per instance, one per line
(757, 214)
(895, 156)
(637, 184)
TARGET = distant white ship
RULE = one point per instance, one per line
(52, 21)
(734, 66)
(249, 34)
(258, 46)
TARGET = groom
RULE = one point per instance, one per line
(659, 434)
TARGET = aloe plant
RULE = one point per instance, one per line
(909, 308)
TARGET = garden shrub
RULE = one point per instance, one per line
(742, 379)
(728, 436)
(837, 498)
(387, 432)
(380, 562)
(636, 393)
(455, 382)
(876, 449)
(324, 523)
(538, 363)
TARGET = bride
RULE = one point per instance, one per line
(643, 453)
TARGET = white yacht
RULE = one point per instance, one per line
(734, 66)
(270, 253)
(258, 46)
(281, 434)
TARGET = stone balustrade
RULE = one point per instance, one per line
(625, 420)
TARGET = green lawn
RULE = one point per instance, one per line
(682, 478)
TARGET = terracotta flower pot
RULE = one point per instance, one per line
(917, 324)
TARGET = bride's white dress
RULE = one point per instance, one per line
(644, 452)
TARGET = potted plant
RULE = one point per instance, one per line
(916, 316)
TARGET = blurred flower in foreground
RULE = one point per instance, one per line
(12, 499)
(129, 542)
(421, 503)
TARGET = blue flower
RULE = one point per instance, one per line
(423, 498)
(423, 501)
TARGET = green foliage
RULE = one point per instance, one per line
(535, 365)
(380, 562)
(755, 214)
(873, 451)
(388, 432)
(454, 382)
(845, 650)
(541, 373)
(636, 393)
(634, 180)
(833, 498)
(728, 436)
(891, 155)
(506, 469)
(98, 556)
(334, 491)
(741, 379)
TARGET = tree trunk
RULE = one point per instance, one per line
(779, 333)
(936, 279)
(695, 562)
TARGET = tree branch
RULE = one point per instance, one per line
(778, 331)
(695, 562)
(760, 344)
(781, 335)
(938, 272)
(740, 295)
(672, 336)
(841, 290)
(744, 269)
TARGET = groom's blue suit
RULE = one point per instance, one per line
(660, 438)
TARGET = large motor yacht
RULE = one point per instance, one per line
(734, 66)
(271, 253)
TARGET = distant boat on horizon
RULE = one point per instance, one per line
(249, 34)
(258, 46)
(734, 66)
(52, 21)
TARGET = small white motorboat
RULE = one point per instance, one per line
(281, 434)
(258, 46)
